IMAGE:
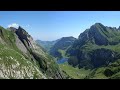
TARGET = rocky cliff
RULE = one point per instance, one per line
(22, 58)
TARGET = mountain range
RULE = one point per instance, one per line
(95, 54)
(46, 44)
(97, 48)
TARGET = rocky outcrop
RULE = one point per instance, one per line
(24, 37)
(20, 45)
(93, 35)
(100, 35)
(22, 58)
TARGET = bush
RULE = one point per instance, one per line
(108, 72)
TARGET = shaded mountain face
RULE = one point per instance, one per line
(61, 46)
(95, 47)
(46, 44)
(22, 58)
(100, 35)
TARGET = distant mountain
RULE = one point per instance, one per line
(22, 58)
(59, 49)
(46, 44)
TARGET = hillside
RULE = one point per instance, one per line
(112, 71)
(74, 72)
(59, 48)
(46, 44)
(96, 47)
(22, 58)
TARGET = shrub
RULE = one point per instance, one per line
(108, 72)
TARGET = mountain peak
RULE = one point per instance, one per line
(97, 25)
(22, 31)
(20, 27)
(94, 35)
(96, 28)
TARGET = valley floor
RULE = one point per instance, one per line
(112, 71)
(74, 73)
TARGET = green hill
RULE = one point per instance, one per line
(59, 49)
(46, 44)
(22, 58)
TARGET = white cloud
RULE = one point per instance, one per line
(15, 25)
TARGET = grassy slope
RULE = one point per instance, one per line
(89, 47)
(113, 71)
(12, 60)
(74, 73)
(63, 53)
(98, 73)
(14, 65)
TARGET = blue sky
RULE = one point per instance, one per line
(52, 25)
